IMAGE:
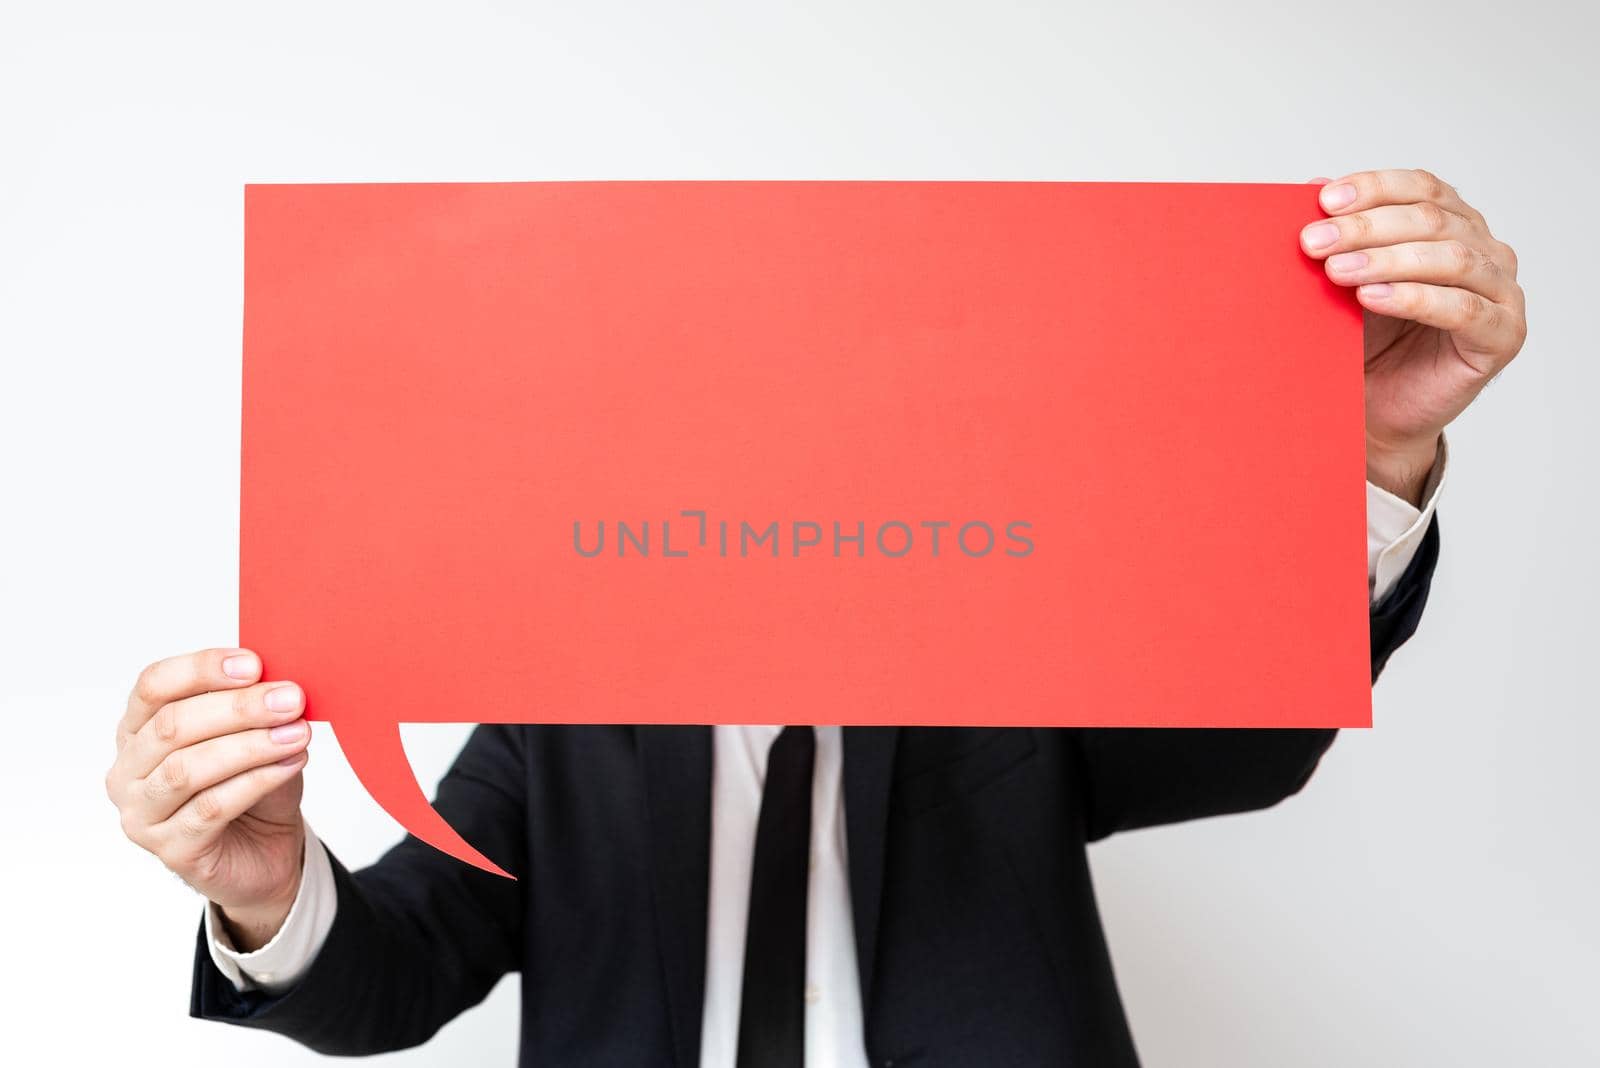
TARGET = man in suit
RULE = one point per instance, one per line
(764, 896)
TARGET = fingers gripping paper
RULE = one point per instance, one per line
(857, 453)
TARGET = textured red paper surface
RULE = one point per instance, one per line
(441, 380)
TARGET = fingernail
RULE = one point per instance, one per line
(241, 666)
(1348, 261)
(1320, 235)
(293, 758)
(285, 733)
(1334, 197)
(284, 698)
(1377, 290)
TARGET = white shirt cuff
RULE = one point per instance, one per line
(1395, 527)
(279, 964)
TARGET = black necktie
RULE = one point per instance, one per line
(772, 1003)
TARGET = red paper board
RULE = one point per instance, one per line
(444, 384)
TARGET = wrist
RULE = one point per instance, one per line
(251, 925)
(1402, 469)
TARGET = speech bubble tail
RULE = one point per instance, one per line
(378, 758)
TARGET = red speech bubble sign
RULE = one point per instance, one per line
(855, 452)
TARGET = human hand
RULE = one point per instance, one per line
(207, 777)
(1444, 313)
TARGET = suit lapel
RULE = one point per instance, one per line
(676, 762)
(868, 771)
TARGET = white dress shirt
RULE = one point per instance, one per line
(834, 1031)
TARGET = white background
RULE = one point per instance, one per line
(1430, 899)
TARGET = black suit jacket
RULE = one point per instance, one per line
(976, 928)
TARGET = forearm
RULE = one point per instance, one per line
(413, 940)
(1139, 777)
(281, 950)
